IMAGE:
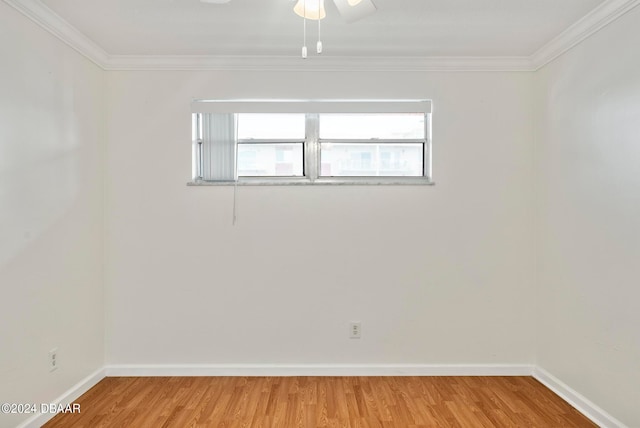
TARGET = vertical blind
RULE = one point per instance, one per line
(219, 137)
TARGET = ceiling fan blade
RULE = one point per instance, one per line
(358, 11)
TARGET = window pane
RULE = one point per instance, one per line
(270, 160)
(271, 126)
(387, 126)
(371, 160)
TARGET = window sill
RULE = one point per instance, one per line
(352, 181)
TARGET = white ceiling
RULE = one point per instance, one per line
(417, 28)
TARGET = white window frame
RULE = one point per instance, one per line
(311, 145)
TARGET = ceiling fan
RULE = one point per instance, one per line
(350, 11)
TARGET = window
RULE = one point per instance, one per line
(312, 142)
(270, 145)
(364, 145)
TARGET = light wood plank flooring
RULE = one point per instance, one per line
(345, 402)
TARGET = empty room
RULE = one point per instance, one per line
(320, 213)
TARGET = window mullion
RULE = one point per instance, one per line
(199, 151)
(312, 147)
(427, 173)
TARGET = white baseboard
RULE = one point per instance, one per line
(39, 419)
(320, 370)
(578, 401)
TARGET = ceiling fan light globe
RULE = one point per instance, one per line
(313, 9)
(353, 2)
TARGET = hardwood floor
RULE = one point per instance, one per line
(355, 402)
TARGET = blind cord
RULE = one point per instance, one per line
(304, 31)
(319, 45)
(235, 201)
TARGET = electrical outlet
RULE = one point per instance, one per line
(355, 330)
(53, 359)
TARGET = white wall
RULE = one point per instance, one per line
(588, 169)
(439, 274)
(51, 214)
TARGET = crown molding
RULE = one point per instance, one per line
(591, 23)
(319, 63)
(39, 13)
(607, 12)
